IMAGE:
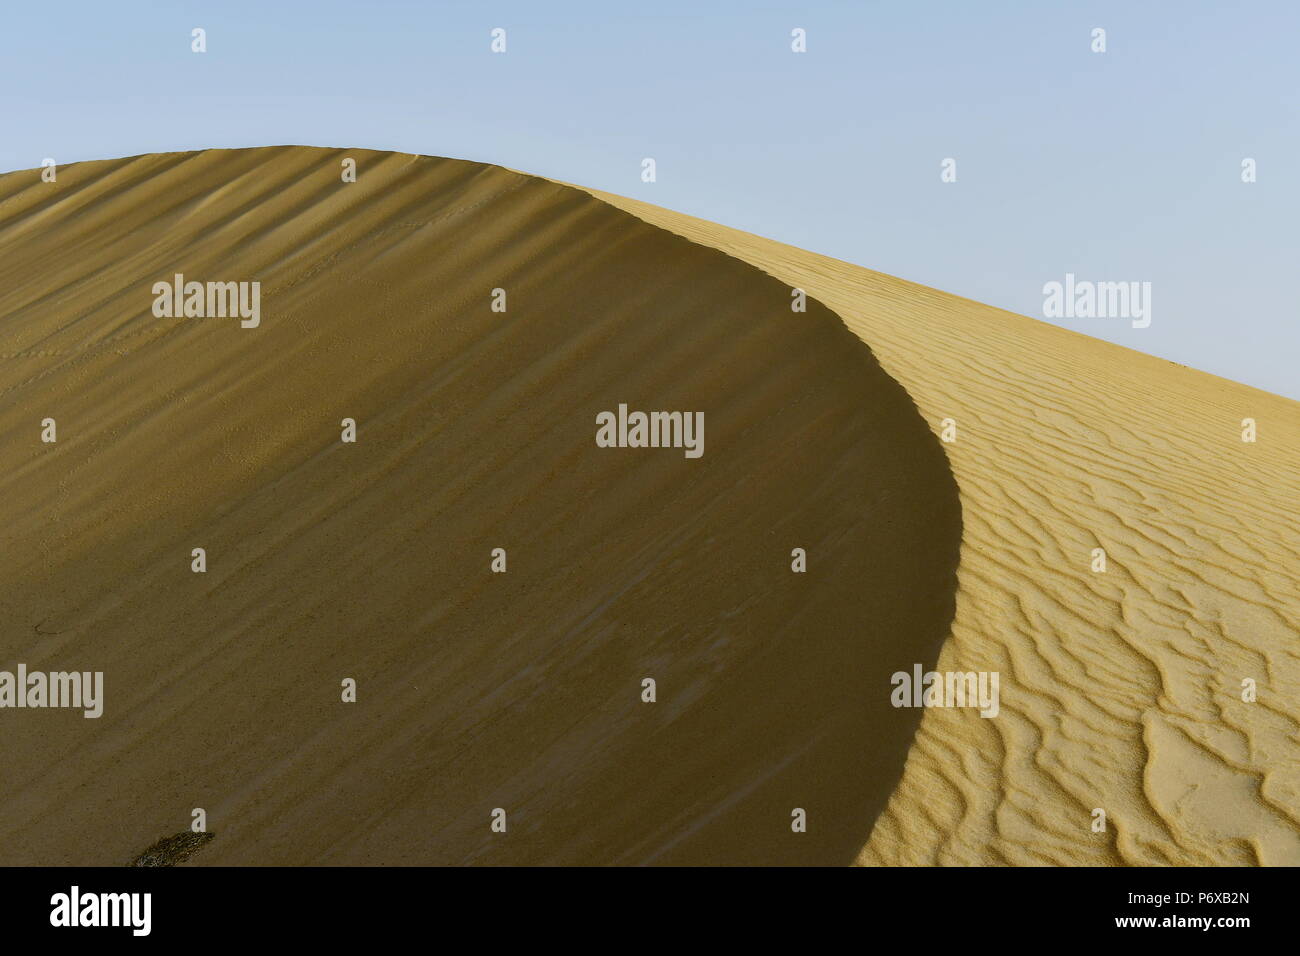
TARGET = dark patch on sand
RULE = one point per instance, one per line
(173, 849)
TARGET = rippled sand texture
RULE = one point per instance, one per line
(371, 561)
(1121, 690)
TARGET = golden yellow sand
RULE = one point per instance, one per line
(1119, 691)
(1122, 690)
(371, 561)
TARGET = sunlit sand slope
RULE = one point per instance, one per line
(371, 560)
(1122, 690)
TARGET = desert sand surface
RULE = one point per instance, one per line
(1120, 690)
(523, 691)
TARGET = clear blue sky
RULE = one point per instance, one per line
(1117, 166)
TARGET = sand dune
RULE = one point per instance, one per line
(370, 560)
(1121, 690)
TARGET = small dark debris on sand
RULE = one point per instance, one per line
(173, 849)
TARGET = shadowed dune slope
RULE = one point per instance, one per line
(475, 430)
(1122, 690)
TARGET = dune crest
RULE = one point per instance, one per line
(1122, 690)
(498, 585)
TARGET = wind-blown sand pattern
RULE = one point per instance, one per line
(370, 560)
(1121, 690)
